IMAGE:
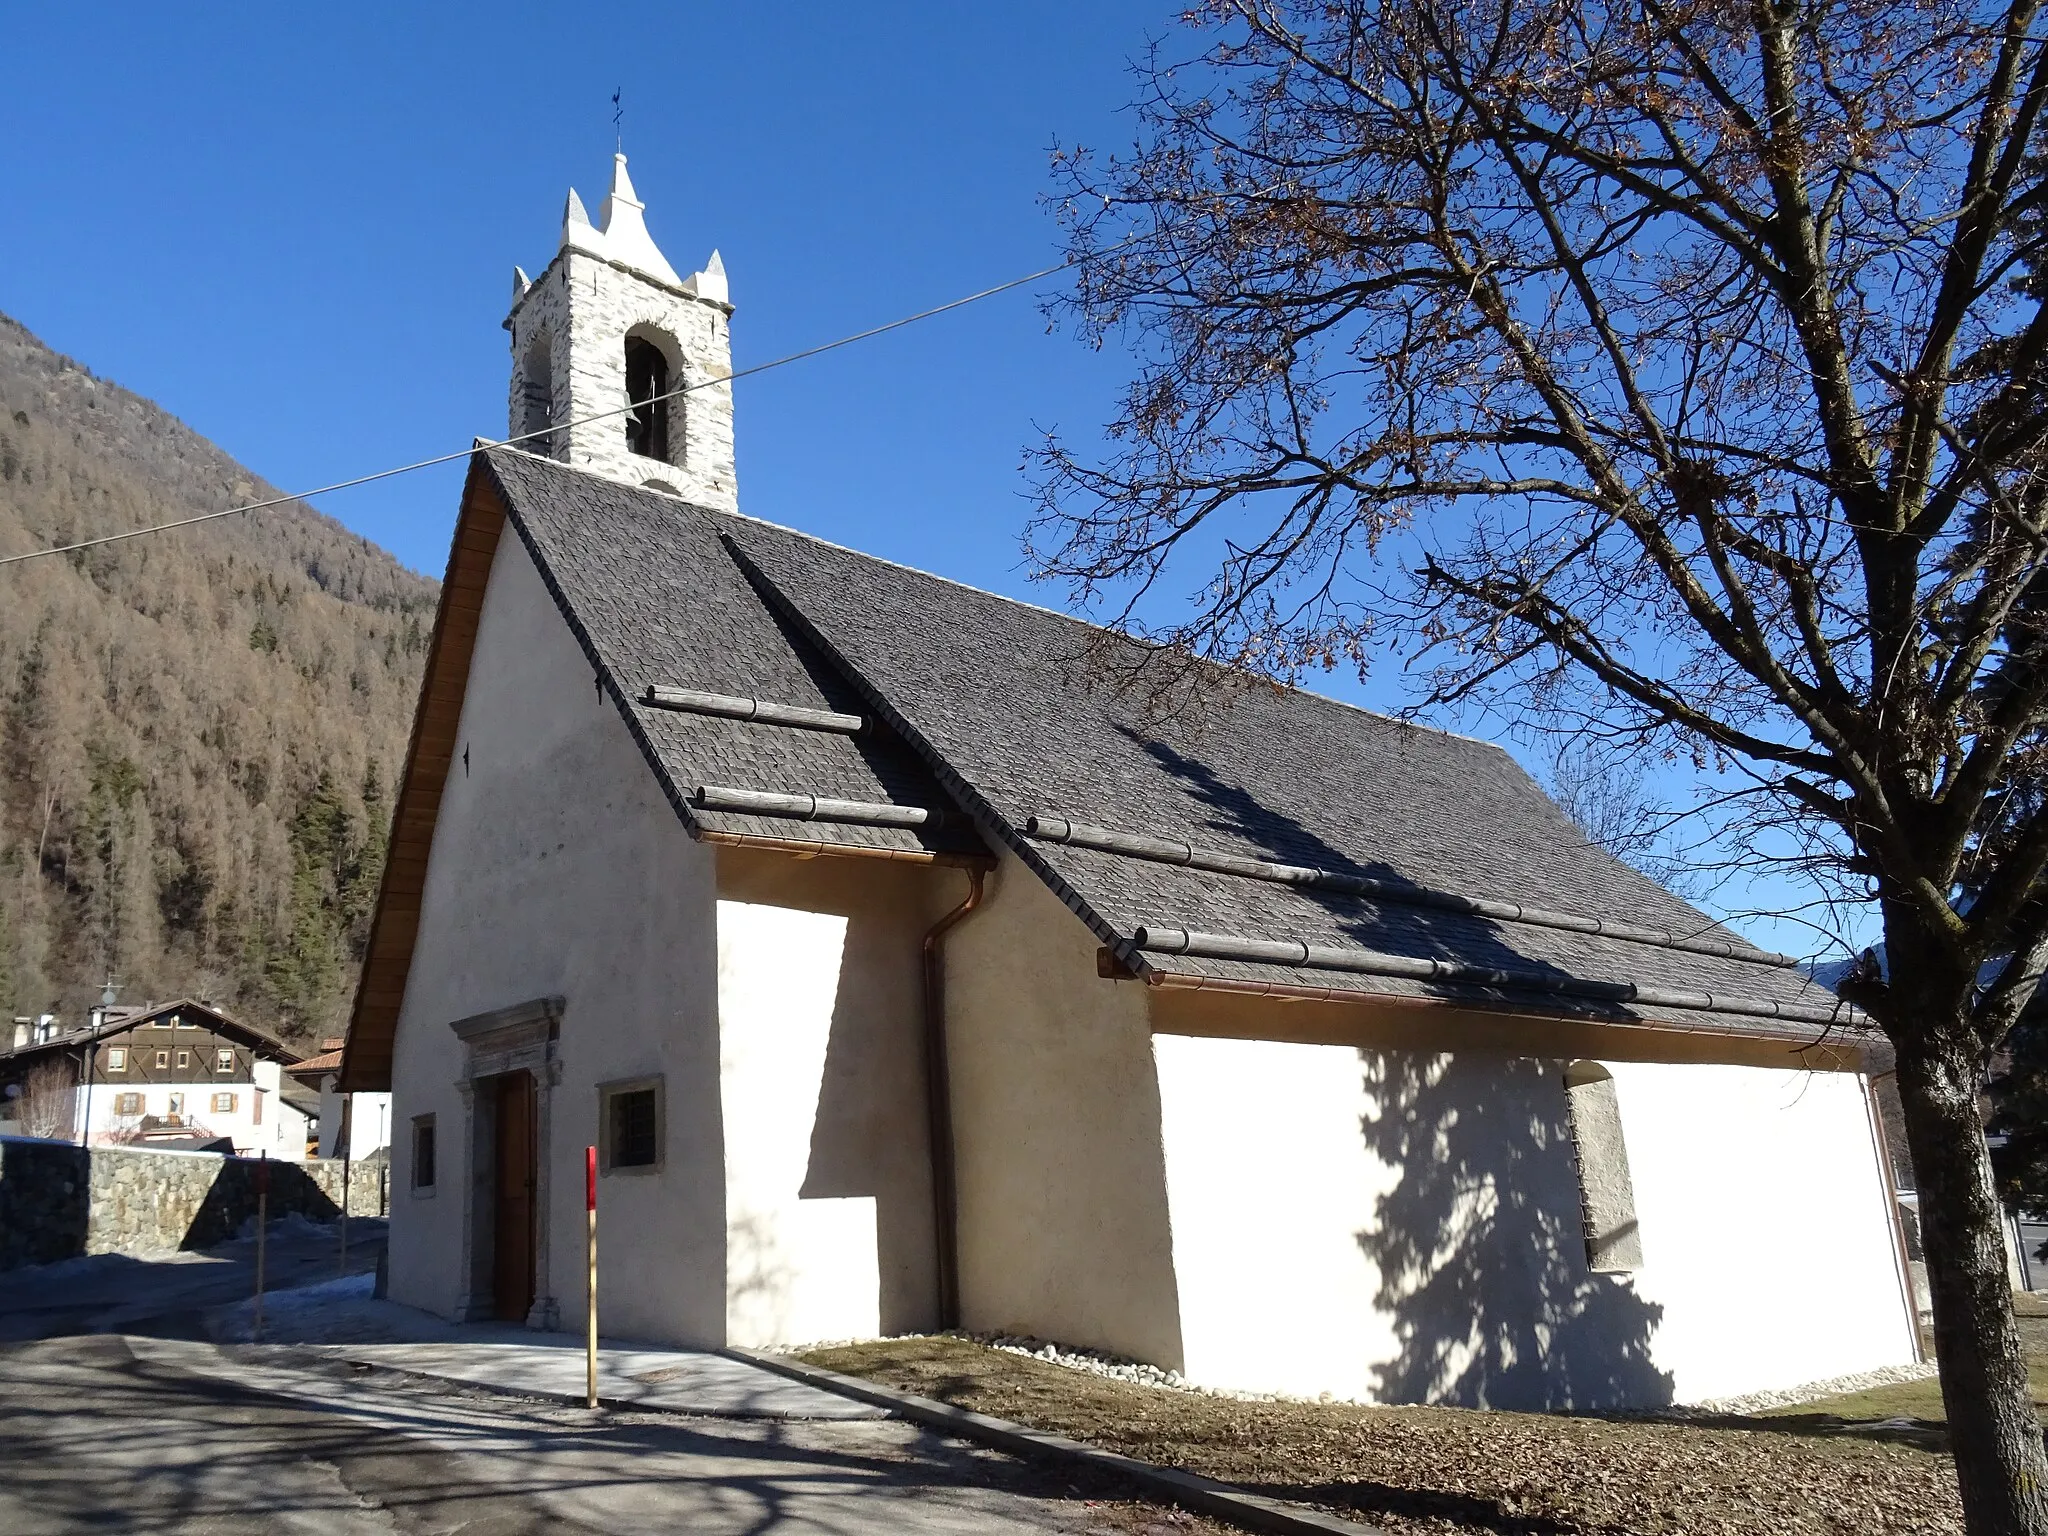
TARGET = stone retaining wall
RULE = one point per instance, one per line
(58, 1201)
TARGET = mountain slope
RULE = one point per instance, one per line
(200, 731)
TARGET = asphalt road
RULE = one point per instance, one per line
(168, 1297)
(117, 1416)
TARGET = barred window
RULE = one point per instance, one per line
(630, 1125)
(423, 1153)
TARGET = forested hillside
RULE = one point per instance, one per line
(200, 731)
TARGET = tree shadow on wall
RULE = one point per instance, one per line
(1480, 1248)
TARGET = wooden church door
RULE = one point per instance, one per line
(513, 1228)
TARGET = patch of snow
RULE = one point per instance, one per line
(341, 1311)
(291, 1224)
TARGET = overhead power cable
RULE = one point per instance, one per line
(563, 426)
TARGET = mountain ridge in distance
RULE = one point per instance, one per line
(200, 731)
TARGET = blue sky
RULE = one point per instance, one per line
(295, 228)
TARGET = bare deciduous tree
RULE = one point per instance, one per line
(1611, 800)
(1674, 364)
(49, 1100)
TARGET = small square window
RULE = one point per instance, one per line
(630, 1125)
(163, 1058)
(224, 1061)
(127, 1103)
(223, 1103)
(117, 1058)
(184, 1060)
(423, 1154)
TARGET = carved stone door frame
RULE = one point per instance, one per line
(521, 1038)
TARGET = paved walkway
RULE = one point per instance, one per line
(129, 1406)
(502, 1357)
(628, 1376)
(171, 1437)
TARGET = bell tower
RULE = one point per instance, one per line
(606, 330)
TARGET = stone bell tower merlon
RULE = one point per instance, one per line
(607, 325)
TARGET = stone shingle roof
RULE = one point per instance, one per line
(995, 707)
(657, 600)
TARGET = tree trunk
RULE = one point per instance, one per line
(1996, 1438)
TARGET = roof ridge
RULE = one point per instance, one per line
(716, 515)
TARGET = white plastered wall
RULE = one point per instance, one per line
(368, 1116)
(1397, 1226)
(558, 869)
(1062, 1195)
(1766, 1237)
(281, 1134)
(828, 1189)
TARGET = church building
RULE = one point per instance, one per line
(907, 975)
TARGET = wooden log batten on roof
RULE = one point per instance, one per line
(730, 706)
(1160, 850)
(1162, 940)
(858, 813)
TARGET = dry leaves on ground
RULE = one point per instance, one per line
(1434, 1471)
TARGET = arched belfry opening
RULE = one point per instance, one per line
(647, 383)
(1607, 1196)
(603, 338)
(537, 396)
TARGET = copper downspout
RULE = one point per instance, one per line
(1891, 1205)
(938, 1099)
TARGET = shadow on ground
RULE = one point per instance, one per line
(168, 1296)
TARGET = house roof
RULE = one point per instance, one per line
(316, 1067)
(1289, 844)
(120, 1020)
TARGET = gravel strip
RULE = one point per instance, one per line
(1814, 1391)
(1119, 1368)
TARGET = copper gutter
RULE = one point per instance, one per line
(1882, 1148)
(805, 848)
(938, 1101)
(1110, 967)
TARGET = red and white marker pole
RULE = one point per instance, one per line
(590, 1309)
